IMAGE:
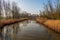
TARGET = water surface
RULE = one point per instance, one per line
(28, 30)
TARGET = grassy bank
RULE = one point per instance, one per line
(52, 24)
(11, 21)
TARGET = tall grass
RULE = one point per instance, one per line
(51, 11)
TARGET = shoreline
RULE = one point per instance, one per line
(10, 21)
(51, 24)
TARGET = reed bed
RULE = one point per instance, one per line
(52, 24)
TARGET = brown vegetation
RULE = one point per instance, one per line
(50, 11)
(11, 21)
(52, 24)
(51, 15)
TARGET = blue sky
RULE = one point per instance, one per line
(31, 6)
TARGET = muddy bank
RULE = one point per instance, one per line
(52, 24)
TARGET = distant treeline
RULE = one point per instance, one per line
(12, 10)
(51, 10)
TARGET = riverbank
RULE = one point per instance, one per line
(11, 21)
(52, 24)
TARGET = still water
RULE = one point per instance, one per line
(28, 30)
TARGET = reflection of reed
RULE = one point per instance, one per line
(8, 35)
(52, 34)
(16, 29)
(1, 37)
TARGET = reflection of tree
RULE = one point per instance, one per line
(25, 23)
(16, 28)
(11, 32)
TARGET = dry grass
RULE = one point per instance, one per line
(52, 24)
(10, 21)
(40, 20)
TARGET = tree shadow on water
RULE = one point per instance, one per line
(1, 36)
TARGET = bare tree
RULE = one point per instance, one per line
(50, 11)
(0, 8)
(57, 12)
(15, 10)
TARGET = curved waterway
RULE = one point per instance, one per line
(28, 30)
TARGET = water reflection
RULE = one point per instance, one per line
(28, 30)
